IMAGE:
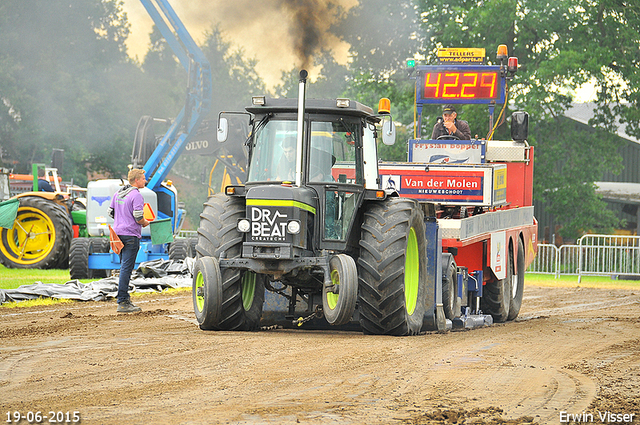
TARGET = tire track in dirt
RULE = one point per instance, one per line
(158, 367)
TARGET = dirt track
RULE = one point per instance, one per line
(572, 350)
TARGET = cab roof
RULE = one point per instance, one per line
(312, 106)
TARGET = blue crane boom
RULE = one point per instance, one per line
(199, 91)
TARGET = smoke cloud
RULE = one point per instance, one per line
(309, 24)
(280, 34)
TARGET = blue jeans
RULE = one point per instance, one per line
(128, 256)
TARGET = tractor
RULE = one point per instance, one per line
(44, 222)
(321, 228)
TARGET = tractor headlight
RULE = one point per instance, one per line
(293, 227)
(243, 225)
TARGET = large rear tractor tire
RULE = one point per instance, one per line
(239, 295)
(496, 298)
(40, 236)
(392, 268)
(339, 304)
(517, 283)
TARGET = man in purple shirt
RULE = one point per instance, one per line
(127, 211)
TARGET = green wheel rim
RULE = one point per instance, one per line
(248, 289)
(332, 298)
(411, 272)
(199, 298)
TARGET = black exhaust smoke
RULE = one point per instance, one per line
(308, 27)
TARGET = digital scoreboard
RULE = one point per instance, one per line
(460, 84)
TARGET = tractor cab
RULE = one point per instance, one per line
(302, 194)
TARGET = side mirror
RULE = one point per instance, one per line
(519, 126)
(388, 133)
(223, 130)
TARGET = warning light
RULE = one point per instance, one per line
(502, 51)
(384, 106)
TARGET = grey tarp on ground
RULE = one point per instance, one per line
(149, 277)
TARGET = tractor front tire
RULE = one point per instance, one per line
(40, 236)
(392, 268)
(338, 305)
(240, 295)
(207, 292)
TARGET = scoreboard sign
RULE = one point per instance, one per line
(461, 84)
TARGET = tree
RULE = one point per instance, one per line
(235, 81)
(58, 61)
(382, 35)
(561, 44)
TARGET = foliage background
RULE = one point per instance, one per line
(67, 82)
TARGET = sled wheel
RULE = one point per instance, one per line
(217, 234)
(40, 236)
(191, 250)
(496, 299)
(178, 249)
(517, 282)
(79, 257)
(338, 305)
(391, 268)
(450, 298)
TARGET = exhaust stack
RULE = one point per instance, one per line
(302, 88)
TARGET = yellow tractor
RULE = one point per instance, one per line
(41, 233)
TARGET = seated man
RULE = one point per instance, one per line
(43, 184)
(450, 126)
(287, 164)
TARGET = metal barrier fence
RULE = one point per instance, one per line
(556, 261)
(609, 255)
(187, 234)
(596, 255)
(546, 261)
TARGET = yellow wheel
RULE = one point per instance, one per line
(40, 236)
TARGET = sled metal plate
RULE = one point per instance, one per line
(508, 151)
(487, 223)
(453, 184)
(472, 321)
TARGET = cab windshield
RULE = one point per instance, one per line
(273, 156)
(332, 155)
